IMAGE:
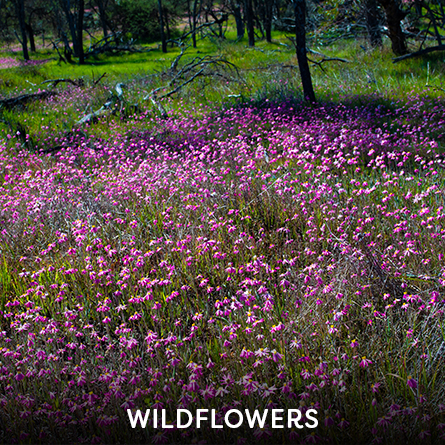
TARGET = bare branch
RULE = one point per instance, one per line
(327, 58)
(95, 82)
(206, 66)
(419, 53)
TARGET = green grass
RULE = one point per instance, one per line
(268, 71)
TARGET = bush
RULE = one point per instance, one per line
(139, 19)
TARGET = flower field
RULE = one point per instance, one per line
(9, 62)
(254, 257)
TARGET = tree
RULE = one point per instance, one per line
(161, 25)
(300, 34)
(74, 14)
(195, 13)
(80, 17)
(249, 20)
(103, 6)
(394, 15)
(235, 6)
(372, 23)
(268, 15)
(20, 10)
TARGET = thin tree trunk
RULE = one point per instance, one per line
(258, 16)
(194, 21)
(103, 17)
(20, 7)
(80, 16)
(238, 20)
(249, 20)
(32, 42)
(161, 24)
(303, 65)
(189, 15)
(66, 6)
(372, 23)
(268, 19)
(393, 17)
(167, 24)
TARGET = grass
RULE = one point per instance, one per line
(369, 72)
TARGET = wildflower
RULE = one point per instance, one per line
(412, 383)
(375, 387)
(276, 357)
(424, 434)
(365, 362)
(343, 424)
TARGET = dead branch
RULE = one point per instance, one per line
(157, 104)
(56, 47)
(174, 65)
(422, 52)
(198, 28)
(207, 66)
(170, 93)
(23, 98)
(106, 108)
(77, 83)
(327, 58)
(95, 82)
(191, 70)
(119, 90)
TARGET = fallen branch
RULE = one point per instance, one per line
(174, 65)
(157, 104)
(77, 83)
(106, 108)
(198, 67)
(419, 53)
(23, 98)
(198, 28)
(327, 58)
(95, 82)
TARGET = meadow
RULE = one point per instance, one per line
(249, 251)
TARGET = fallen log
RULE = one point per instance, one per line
(23, 98)
(419, 53)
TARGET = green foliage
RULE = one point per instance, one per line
(140, 19)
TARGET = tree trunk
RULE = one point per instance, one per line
(249, 20)
(194, 21)
(30, 31)
(167, 24)
(66, 6)
(303, 65)
(20, 8)
(258, 16)
(80, 16)
(372, 23)
(103, 16)
(393, 17)
(161, 24)
(236, 8)
(268, 19)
